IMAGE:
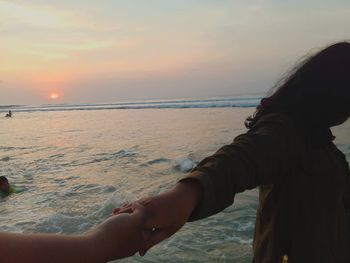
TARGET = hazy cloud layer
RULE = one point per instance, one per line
(120, 50)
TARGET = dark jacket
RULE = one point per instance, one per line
(303, 195)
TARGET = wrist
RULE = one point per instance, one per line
(189, 193)
(95, 247)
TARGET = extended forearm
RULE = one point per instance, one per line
(188, 194)
(47, 248)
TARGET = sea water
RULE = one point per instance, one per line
(74, 163)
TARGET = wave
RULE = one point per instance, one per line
(184, 164)
(156, 161)
(5, 159)
(242, 102)
(10, 106)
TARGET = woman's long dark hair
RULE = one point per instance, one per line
(316, 93)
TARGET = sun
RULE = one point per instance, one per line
(54, 96)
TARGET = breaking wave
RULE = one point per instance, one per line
(242, 102)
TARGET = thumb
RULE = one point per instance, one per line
(138, 212)
(155, 238)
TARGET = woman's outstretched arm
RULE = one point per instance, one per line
(117, 237)
(257, 157)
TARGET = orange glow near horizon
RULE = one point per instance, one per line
(61, 51)
(54, 96)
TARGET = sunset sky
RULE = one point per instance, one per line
(103, 51)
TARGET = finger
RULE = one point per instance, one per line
(127, 204)
(127, 210)
(125, 207)
(139, 212)
(156, 237)
(119, 209)
(145, 201)
(146, 235)
(115, 210)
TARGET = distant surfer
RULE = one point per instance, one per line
(5, 187)
(9, 114)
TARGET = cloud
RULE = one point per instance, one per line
(159, 48)
(26, 16)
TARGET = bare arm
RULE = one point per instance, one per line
(117, 237)
(47, 248)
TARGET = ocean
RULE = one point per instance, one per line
(74, 163)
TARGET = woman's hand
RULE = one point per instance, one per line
(166, 213)
(121, 235)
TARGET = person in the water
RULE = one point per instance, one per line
(9, 114)
(5, 187)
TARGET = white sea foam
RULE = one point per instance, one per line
(184, 164)
(62, 223)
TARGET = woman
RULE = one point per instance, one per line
(288, 152)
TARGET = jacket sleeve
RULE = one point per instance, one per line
(257, 157)
(347, 188)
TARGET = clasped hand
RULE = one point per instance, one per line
(164, 214)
